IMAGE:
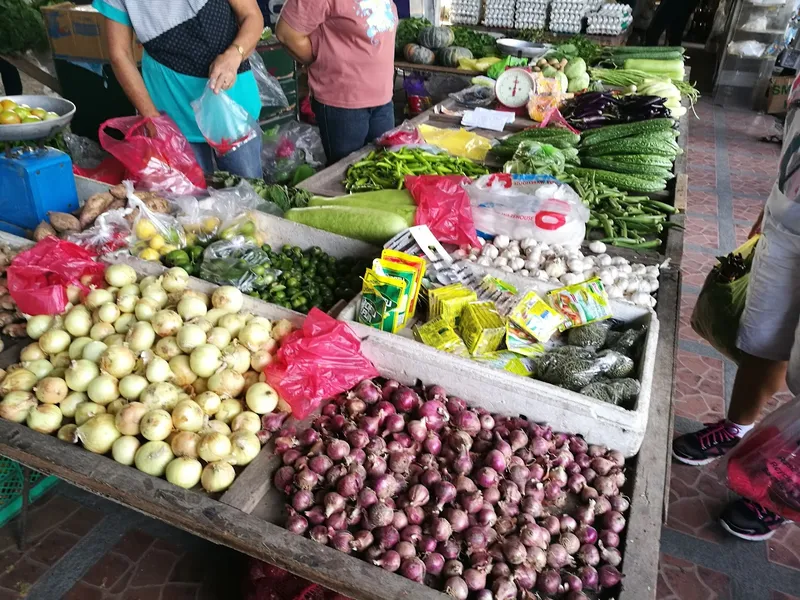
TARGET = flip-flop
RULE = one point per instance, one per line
(772, 139)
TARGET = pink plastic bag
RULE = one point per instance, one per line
(765, 466)
(443, 205)
(38, 278)
(224, 123)
(156, 154)
(317, 362)
(110, 171)
(405, 134)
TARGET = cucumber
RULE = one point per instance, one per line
(612, 132)
(540, 134)
(609, 164)
(365, 224)
(646, 49)
(398, 202)
(630, 183)
(650, 55)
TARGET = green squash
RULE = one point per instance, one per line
(448, 57)
(436, 37)
(419, 55)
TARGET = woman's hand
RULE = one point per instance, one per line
(222, 74)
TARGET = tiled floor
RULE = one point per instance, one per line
(730, 175)
(81, 547)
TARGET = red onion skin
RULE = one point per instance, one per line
(484, 595)
(520, 475)
(471, 503)
(535, 536)
(435, 392)
(306, 479)
(578, 445)
(432, 444)
(570, 542)
(584, 461)
(362, 540)
(537, 558)
(616, 457)
(548, 582)
(589, 555)
(601, 465)
(486, 516)
(434, 563)
(413, 569)
(475, 579)
(316, 516)
(618, 477)
(334, 502)
(464, 484)
(504, 525)
(455, 405)
(595, 451)
(584, 514)
(283, 478)
(525, 577)
(536, 472)
(467, 421)
(342, 541)
(400, 520)
(334, 474)
(614, 521)
(390, 561)
(514, 551)
(405, 549)
(443, 492)
(349, 485)
(385, 486)
(558, 557)
(552, 525)
(504, 589)
(619, 503)
(568, 523)
(453, 568)
(589, 578)
(459, 520)
(462, 464)
(337, 521)
(518, 439)
(475, 537)
(367, 391)
(449, 549)
(427, 544)
(386, 537)
(608, 576)
(414, 514)
(588, 494)
(480, 559)
(491, 494)
(418, 495)
(319, 534)
(440, 529)
(576, 483)
(297, 524)
(500, 569)
(496, 460)
(380, 515)
(612, 556)
(587, 534)
(411, 533)
(609, 539)
(388, 388)
(377, 445)
(504, 447)
(601, 506)
(456, 587)
(589, 475)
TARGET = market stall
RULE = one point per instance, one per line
(197, 349)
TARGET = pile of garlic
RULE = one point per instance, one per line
(558, 265)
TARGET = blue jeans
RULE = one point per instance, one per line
(345, 130)
(245, 161)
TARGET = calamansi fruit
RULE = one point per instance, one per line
(21, 112)
(8, 117)
(157, 242)
(149, 254)
(210, 224)
(50, 116)
(166, 249)
(31, 119)
(39, 113)
(7, 104)
(145, 230)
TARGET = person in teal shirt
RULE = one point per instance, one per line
(188, 45)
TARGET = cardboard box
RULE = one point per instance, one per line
(778, 93)
(78, 33)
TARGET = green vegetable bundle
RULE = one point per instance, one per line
(480, 44)
(21, 27)
(536, 159)
(384, 170)
(282, 196)
(558, 137)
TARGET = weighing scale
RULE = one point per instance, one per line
(35, 179)
(513, 89)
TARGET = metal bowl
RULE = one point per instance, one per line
(44, 129)
(522, 49)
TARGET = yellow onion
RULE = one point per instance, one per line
(76, 347)
(80, 374)
(167, 348)
(51, 390)
(78, 321)
(141, 337)
(32, 352)
(54, 341)
(246, 421)
(45, 418)
(184, 472)
(182, 370)
(191, 307)
(227, 383)
(166, 322)
(99, 433)
(115, 406)
(124, 323)
(228, 409)
(237, 357)
(120, 275)
(160, 395)
(86, 410)
(127, 420)
(215, 426)
(227, 297)
(214, 446)
(209, 402)
(118, 361)
(219, 337)
(156, 425)
(71, 402)
(281, 329)
(19, 380)
(217, 476)
(38, 325)
(103, 389)
(15, 406)
(184, 443)
(40, 368)
(175, 280)
(97, 298)
(101, 331)
(205, 360)
(244, 447)
(190, 337)
(123, 450)
(132, 386)
(188, 416)
(153, 457)
(146, 309)
(157, 369)
(68, 433)
(108, 312)
(94, 350)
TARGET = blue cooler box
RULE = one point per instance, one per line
(32, 183)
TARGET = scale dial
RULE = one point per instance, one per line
(514, 87)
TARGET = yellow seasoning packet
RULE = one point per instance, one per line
(419, 265)
(507, 361)
(482, 328)
(518, 340)
(438, 334)
(449, 302)
(581, 303)
(536, 317)
(381, 297)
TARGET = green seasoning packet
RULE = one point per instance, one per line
(380, 299)
(536, 317)
(581, 303)
(438, 334)
(518, 340)
(507, 361)
(407, 274)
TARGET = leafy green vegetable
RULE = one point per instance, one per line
(538, 159)
(284, 197)
(21, 27)
(408, 31)
(479, 43)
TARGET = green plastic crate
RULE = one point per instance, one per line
(11, 488)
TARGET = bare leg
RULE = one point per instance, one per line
(757, 380)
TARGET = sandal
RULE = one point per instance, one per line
(773, 139)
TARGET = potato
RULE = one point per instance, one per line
(43, 230)
(93, 207)
(116, 204)
(64, 222)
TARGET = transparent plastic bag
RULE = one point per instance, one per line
(155, 154)
(204, 218)
(545, 97)
(765, 466)
(317, 362)
(306, 139)
(269, 88)
(443, 205)
(549, 212)
(475, 95)
(224, 123)
(84, 152)
(154, 234)
(38, 277)
(571, 371)
(405, 134)
(110, 233)
(236, 262)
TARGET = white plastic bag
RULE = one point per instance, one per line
(544, 209)
(269, 88)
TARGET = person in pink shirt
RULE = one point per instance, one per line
(348, 46)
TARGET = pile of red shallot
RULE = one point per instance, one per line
(476, 505)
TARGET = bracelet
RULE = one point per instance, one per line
(239, 49)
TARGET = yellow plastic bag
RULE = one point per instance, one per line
(477, 64)
(545, 97)
(458, 142)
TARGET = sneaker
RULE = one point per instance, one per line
(750, 521)
(706, 445)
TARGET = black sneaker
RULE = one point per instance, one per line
(750, 521)
(706, 445)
